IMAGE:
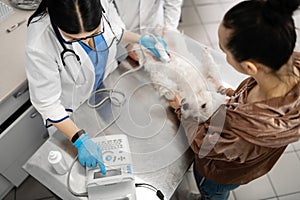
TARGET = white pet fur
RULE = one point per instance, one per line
(199, 99)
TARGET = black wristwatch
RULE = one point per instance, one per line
(77, 135)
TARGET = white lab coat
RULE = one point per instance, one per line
(142, 16)
(53, 91)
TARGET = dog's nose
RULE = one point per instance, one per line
(185, 106)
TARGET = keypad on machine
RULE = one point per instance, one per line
(109, 145)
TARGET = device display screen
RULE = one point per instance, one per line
(111, 172)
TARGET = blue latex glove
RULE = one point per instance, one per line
(149, 42)
(89, 153)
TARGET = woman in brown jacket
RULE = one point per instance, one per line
(246, 136)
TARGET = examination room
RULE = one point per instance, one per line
(150, 100)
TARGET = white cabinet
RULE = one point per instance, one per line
(18, 142)
(22, 132)
(13, 103)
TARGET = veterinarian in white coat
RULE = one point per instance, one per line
(44, 60)
(71, 48)
(141, 16)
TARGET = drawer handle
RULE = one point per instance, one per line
(19, 93)
(33, 115)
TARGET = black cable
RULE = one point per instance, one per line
(159, 194)
(146, 186)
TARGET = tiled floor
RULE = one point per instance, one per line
(200, 20)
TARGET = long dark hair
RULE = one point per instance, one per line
(71, 16)
(263, 30)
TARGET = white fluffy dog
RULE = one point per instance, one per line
(198, 98)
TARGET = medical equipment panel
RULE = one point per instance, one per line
(118, 183)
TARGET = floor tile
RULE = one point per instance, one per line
(225, 1)
(296, 17)
(258, 189)
(189, 17)
(31, 189)
(297, 24)
(298, 153)
(290, 148)
(297, 47)
(229, 4)
(187, 3)
(211, 13)
(196, 32)
(295, 196)
(216, 47)
(231, 196)
(212, 31)
(285, 174)
(203, 2)
(296, 145)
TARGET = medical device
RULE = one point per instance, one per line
(13, 27)
(118, 183)
(164, 57)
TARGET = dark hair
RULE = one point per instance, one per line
(71, 16)
(263, 31)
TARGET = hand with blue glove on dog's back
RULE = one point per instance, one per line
(151, 43)
(89, 153)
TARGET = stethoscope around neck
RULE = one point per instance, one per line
(67, 53)
(110, 91)
(66, 50)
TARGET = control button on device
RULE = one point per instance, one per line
(108, 158)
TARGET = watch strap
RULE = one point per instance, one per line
(77, 135)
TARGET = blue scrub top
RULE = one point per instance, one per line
(98, 58)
